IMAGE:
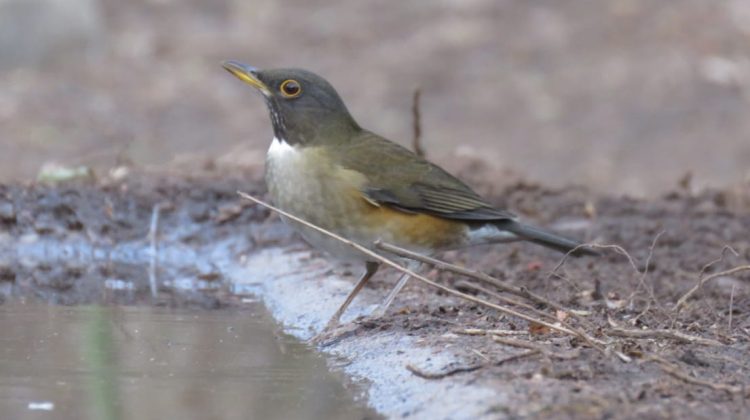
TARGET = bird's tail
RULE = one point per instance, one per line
(546, 238)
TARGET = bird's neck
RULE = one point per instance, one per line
(313, 127)
(277, 121)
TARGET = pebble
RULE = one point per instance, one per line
(44, 225)
(7, 212)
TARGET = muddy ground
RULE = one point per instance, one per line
(679, 234)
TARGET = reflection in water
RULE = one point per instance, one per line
(142, 363)
(100, 356)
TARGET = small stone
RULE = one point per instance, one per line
(7, 213)
(7, 274)
(44, 226)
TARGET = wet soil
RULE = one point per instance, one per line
(68, 244)
(671, 240)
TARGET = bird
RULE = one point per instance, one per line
(324, 168)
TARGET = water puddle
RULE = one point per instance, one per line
(160, 320)
(145, 362)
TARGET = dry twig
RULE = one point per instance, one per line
(417, 123)
(731, 310)
(617, 248)
(476, 275)
(477, 331)
(462, 369)
(552, 354)
(620, 250)
(724, 250)
(516, 357)
(668, 334)
(153, 237)
(726, 359)
(704, 280)
(440, 375)
(468, 285)
(642, 280)
(673, 370)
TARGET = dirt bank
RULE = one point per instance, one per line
(89, 242)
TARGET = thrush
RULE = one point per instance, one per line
(324, 168)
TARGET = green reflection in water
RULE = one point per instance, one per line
(152, 362)
(101, 358)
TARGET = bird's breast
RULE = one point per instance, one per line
(303, 180)
(307, 182)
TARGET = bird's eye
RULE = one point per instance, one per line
(290, 88)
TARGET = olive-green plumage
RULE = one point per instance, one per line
(410, 183)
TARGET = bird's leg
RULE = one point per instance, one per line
(370, 269)
(413, 266)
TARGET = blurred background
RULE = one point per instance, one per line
(625, 96)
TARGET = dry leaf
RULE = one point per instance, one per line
(538, 329)
(534, 266)
(228, 212)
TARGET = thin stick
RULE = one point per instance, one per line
(153, 239)
(722, 255)
(476, 275)
(516, 357)
(668, 334)
(705, 280)
(477, 331)
(642, 280)
(429, 375)
(592, 341)
(617, 248)
(480, 354)
(462, 369)
(498, 296)
(719, 259)
(521, 344)
(731, 309)
(680, 374)
(417, 123)
(534, 346)
(726, 359)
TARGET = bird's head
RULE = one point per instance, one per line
(305, 109)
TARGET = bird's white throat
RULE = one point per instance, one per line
(280, 149)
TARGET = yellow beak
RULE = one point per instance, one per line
(246, 74)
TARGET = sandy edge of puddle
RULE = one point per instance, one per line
(301, 292)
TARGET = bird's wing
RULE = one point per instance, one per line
(398, 178)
